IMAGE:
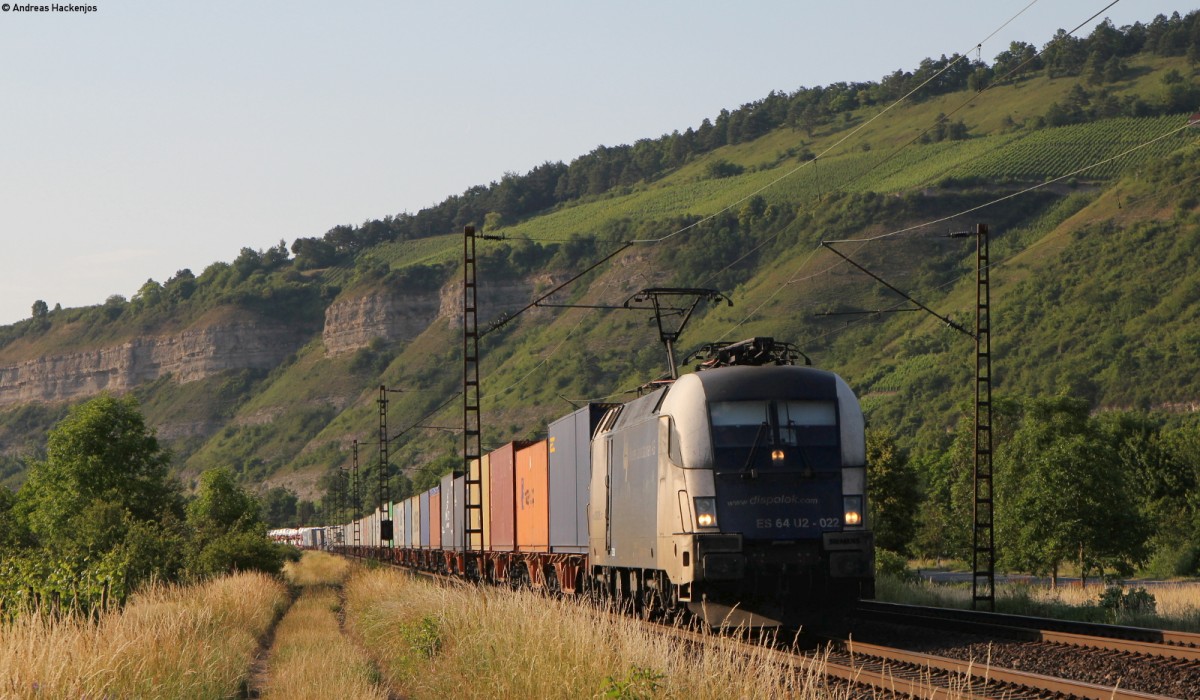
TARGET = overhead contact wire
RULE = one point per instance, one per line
(975, 96)
(1027, 190)
(839, 142)
(508, 317)
(895, 152)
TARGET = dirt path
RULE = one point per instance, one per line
(259, 675)
(312, 630)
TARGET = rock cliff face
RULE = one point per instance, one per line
(392, 316)
(494, 299)
(198, 353)
(351, 324)
(193, 354)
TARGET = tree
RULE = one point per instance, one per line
(114, 306)
(1020, 58)
(102, 515)
(279, 507)
(221, 505)
(1063, 494)
(102, 451)
(13, 533)
(1165, 475)
(892, 492)
(147, 296)
(40, 309)
(181, 286)
(227, 531)
(312, 253)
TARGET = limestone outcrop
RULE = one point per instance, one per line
(191, 355)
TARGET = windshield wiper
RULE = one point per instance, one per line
(748, 470)
(807, 466)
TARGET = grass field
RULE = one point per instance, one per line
(169, 642)
(368, 632)
(438, 642)
(1176, 605)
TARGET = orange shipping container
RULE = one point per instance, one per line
(531, 477)
(435, 517)
(485, 475)
(502, 518)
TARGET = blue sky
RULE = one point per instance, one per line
(145, 137)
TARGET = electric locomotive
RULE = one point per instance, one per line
(738, 491)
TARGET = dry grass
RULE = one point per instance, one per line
(311, 658)
(1177, 604)
(168, 642)
(317, 569)
(434, 642)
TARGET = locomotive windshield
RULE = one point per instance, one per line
(775, 435)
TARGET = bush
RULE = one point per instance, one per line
(1137, 601)
(238, 551)
(722, 168)
(889, 563)
(1174, 559)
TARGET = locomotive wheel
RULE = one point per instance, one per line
(651, 598)
(553, 587)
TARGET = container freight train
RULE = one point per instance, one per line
(737, 492)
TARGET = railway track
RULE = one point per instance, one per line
(1090, 635)
(1146, 661)
(876, 670)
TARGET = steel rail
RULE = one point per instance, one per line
(989, 674)
(897, 671)
(1090, 635)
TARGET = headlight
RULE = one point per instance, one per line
(853, 507)
(706, 511)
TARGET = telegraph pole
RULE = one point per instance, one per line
(385, 490)
(472, 431)
(983, 540)
(355, 500)
(983, 582)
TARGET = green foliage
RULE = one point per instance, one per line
(373, 359)
(638, 683)
(890, 564)
(513, 260)
(1065, 494)
(13, 530)
(98, 518)
(720, 168)
(280, 508)
(1138, 601)
(430, 475)
(221, 505)
(101, 514)
(424, 636)
(227, 532)
(237, 551)
(893, 493)
(102, 452)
